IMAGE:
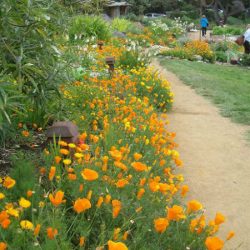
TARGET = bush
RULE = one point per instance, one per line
(227, 30)
(133, 58)
(245, 60)
(121, 24)
(84, 27)
(29, 53)
(220, 56)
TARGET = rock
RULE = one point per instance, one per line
(63, 130)
(119, 34)
(198, 58)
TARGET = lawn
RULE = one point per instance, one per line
(227, 86)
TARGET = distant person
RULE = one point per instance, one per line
(204, 25)
(246, 43)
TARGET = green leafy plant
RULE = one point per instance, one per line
(10, 104)
(84, 27)
(29, 52)
(121, 24)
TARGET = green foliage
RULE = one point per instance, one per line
(133, 58)
(220, 56)
(227, 31)
(10, 103)
(121, 24)
(85, 27)
(28, 51)
(245, 60)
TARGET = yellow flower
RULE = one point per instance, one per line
(78, 155)
(26, 224)
(2, 196)
(24, 203)
(67, 161)
(71, 145)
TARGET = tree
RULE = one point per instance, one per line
(224, 8)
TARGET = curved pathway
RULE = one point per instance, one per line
(216, 159)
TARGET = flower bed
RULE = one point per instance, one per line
(117, 187)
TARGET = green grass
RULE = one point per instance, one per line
(227, 86)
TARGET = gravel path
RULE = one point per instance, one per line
(216, 159)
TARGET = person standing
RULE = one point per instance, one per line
(204, 24)
(246, 43)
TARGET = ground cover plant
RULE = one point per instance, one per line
(190, 50)
(227, 86)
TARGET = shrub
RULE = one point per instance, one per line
(28, 51)
(220, 56)
(227, 31)
(133, 58)
(245, 60)
(84, 27)
(121, 24)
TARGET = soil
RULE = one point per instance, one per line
(216, 159)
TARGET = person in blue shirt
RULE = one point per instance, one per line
(204, 25)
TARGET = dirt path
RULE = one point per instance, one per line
(216, 160)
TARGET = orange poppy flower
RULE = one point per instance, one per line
(107, 198)
(116, 155)
(116, 245)
(51, 232)
(121, 183)
(72, 177)
(139, 167)
(120, 165)
(214, 243)
(81, 241)
(184, 190)
(161, 225)
(175, 213)
(3, 246)
(64, 151)
(230, 235)
(100, 201)
(89, 174)
(29, 193)
(57, 159)
(37, 229)
(219, 218)
(137, 156)
(140, 193)
(117, 205)
(52, 173)
(80, 205)
(9, 182)
(193, 206)
(57, 199)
